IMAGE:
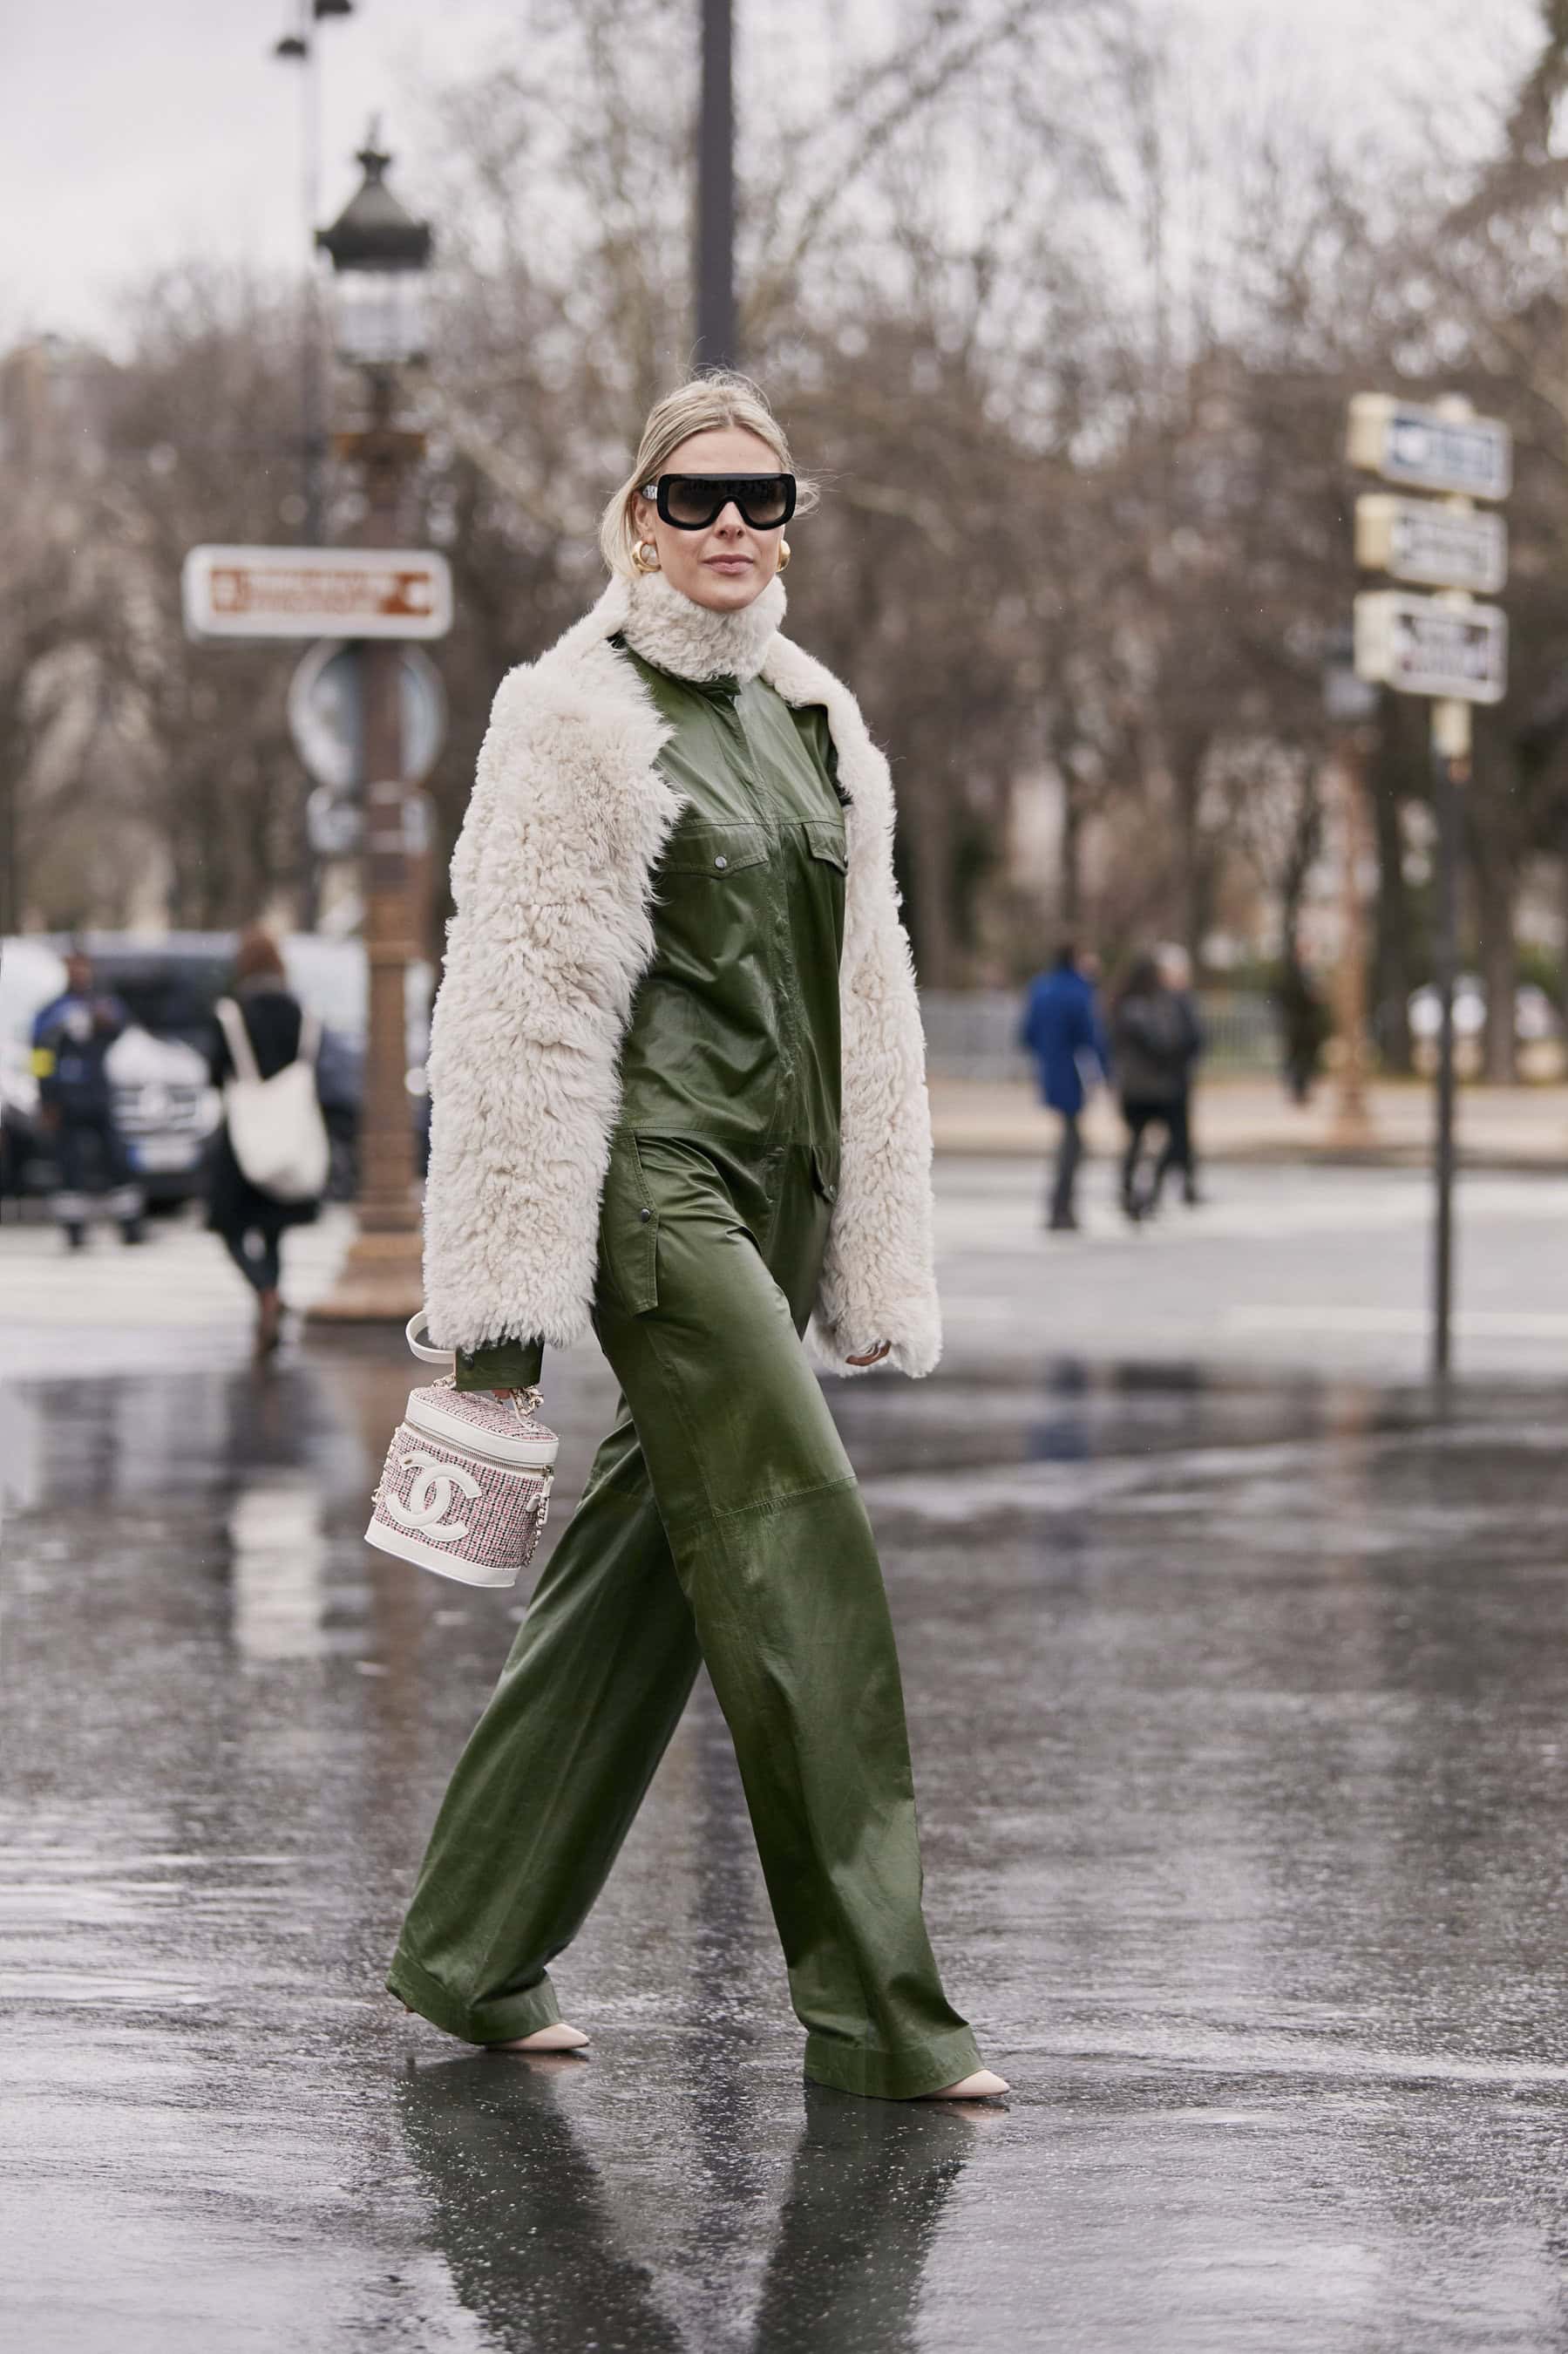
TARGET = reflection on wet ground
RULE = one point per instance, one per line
(1239, 1713)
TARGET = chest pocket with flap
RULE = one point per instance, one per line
(715, 850)
(825, 839)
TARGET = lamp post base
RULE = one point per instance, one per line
(1353, 1131)
(1353, 1128)
(380, 1282)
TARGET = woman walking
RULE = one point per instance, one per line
(676, 1071)
(266, 1024)
(1151, 1055)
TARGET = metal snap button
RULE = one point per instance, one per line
(643, 1216)
(721, 862)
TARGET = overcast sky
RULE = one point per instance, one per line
(134, 132)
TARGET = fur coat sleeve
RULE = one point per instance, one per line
(551, 934)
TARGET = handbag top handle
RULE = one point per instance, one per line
(411, 1331)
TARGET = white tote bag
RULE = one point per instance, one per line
(275, 1125)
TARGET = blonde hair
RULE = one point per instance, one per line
(703, 405)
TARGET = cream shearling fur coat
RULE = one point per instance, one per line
(552, 879)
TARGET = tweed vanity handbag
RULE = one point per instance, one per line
(466, 1488)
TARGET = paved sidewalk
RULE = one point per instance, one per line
(102, 1308)
(1289, 1266)
(1288, 1269)
(1253, 1119)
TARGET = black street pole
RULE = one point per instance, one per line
(717, 343)
(313, 386)
(313, 408)
(302, 48)
(1446, 800)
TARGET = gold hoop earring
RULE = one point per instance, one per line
(783, 556)
(645, 556)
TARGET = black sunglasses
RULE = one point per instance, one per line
(691, 502)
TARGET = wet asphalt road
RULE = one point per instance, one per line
(1239, 1714)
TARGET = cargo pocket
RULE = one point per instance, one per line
(629, 1232)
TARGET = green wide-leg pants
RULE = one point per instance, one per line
(721, 1524)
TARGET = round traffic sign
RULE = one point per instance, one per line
(326, 714)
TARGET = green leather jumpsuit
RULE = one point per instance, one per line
(721, 1524)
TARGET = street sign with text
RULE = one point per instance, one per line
(1423, 646)
(1427, 450)
(1436, 547)
(316, 592)
(334, 825)
(1446, 648)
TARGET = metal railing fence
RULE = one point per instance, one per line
(972, 1033)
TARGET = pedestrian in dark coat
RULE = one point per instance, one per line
(251, 1224)
(1176, 971)
(1305, 1026)
(1060, 1028)
(1149, 1059)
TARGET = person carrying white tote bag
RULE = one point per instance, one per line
(275, 1125)
(271, 1157)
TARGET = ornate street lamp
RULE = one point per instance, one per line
(298, 45)
(380, 254)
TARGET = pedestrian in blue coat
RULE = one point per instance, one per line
(1060, 1028)
(70, 1043)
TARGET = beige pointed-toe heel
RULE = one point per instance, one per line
(983, 2085)
(558, 2038)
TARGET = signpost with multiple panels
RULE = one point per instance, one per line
(1445, 646)
(342, 598)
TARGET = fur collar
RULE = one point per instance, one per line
(685, 638)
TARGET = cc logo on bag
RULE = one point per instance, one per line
(431, 1496)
